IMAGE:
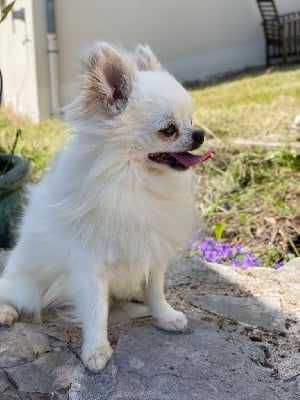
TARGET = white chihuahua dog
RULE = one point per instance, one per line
(116, 206)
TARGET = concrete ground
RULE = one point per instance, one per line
(242, 343)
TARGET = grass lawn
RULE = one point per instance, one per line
(249, 105)
(247, 194)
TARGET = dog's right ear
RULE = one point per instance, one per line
(108, 77)
(145, 59)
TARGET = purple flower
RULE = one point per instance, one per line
(278, 264)
(217, 251)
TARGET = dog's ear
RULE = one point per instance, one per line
(108, 77)
(145, 59)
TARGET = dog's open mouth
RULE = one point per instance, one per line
(180, 161)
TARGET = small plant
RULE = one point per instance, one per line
(272, 258)
(10, 159)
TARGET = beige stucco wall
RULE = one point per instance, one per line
(194, 39)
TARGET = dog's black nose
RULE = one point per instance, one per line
(198, 137)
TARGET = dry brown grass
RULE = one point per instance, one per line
(254, 190)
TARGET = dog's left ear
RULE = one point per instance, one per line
(145, 59)
(108, 77)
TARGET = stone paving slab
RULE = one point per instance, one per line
(202, 364)
(263, 311)
(250, 358)
(281, 287)
(265, 300)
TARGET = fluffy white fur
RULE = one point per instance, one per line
(106, 220)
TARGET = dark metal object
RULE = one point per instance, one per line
(1, 87)
(282, 33)
(12, 198)
(18, 14)
(50, 16)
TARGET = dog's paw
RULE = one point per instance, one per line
(8, 315)
(96, 359)
(172, 321)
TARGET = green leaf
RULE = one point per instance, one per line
(293, 246)
(191, 253)
(281, 204)
(290, 256)
(219, 229)
(244, 218)
(5, 11)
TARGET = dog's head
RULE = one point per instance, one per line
(143, 105)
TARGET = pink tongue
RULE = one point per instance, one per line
(188, 159)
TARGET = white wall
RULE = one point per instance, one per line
(194, 39)
(17, 62)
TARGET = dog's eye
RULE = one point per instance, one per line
(169, 131)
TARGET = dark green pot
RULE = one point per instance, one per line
(12, 198)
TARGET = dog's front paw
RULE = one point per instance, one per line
(96, 359)
(8, 315)
(172, 321)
